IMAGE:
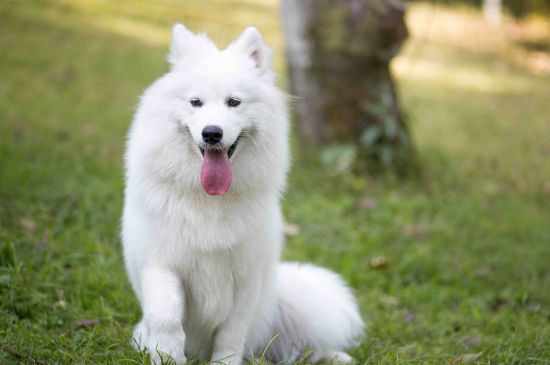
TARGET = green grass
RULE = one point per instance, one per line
(454, 262)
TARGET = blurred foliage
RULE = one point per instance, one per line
(518, 8)
(339, 158)
(387, 143)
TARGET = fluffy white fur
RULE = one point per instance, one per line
(206, 268)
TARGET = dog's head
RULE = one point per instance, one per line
(227, 109)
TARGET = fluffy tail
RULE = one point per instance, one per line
(317, 313)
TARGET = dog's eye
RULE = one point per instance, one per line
(233, 102)
(196, 102)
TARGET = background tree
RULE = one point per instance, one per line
(338, 54)
(492, 10)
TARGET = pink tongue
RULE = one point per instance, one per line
(215, 172)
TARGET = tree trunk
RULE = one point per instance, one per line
(492, 10)
(297, 17)
(338, 55)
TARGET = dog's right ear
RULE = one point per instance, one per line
(182, 40)
(251, 43)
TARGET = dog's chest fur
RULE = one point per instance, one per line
(210, 282)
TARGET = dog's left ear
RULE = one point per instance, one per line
(251, 43)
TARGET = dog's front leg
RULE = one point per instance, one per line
(160, 332)
(231, 335)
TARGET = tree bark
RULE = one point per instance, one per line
(338, 55)
(298, 16)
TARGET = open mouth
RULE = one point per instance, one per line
(230, 150)
(216, 174)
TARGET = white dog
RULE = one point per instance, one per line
(206, 164)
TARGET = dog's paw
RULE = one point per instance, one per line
(163, 346)
(338, 358)
(332, 358)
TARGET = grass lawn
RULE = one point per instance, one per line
(452, 266)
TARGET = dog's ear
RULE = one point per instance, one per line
(182, 39)
(251, 43)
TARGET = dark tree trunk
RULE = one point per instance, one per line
(338, 55)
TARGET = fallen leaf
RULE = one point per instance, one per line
(367, 203)
(390, 300)
(482, 272)
(497, 303)
(85, 323)
(379, 262)
(28, 224)
(414, 231)
(465, 358)
(291, 229)
(408, 315)
(471, 341)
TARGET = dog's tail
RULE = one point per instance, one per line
(317, 314)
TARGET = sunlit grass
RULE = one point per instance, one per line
(470, 92)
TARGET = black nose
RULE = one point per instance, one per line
(212, 134)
